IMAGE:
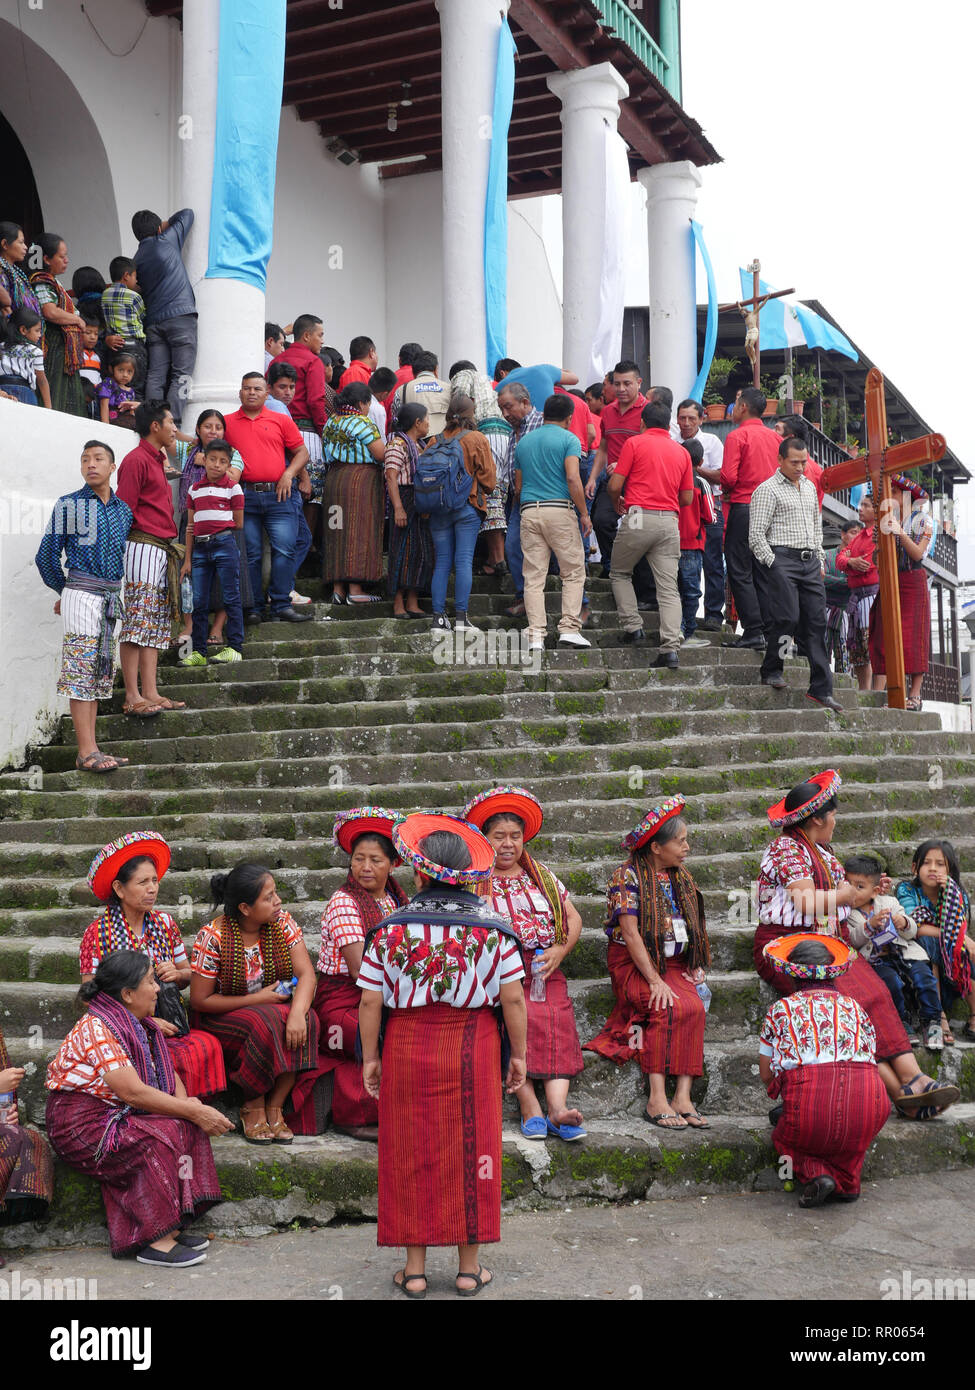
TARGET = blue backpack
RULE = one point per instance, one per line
(442, 483)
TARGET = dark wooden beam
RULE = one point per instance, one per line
(362, 54)
(345, 29)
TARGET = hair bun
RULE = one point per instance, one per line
(218, 886)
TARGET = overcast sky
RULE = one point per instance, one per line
(846, 128)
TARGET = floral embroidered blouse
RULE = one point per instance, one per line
(87, 1055)
(623, 900)
(417, 964)
(815, 1026)
(526, 907)
(784, 862)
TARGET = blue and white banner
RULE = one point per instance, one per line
(249, 86)
(783, 325)
(711, 331)
(496, 203)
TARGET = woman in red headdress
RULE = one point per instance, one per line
(658, 952)
(802, 887)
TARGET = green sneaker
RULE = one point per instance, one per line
(228, 654)
(194, 659)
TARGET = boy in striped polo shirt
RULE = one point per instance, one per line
(214, 510)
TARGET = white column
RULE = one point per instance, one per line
(231, 314)
(469, 52)
(671, 203)
(590, 100)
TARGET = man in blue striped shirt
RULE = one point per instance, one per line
(89, 529)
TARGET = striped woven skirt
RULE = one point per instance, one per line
(553, 1050)
(312, 440)
(499, 439)
(337, 1005)
(861, 982)
(254, 1047)
(410, 549)
(915, 625)
(148, 621)
(858, 610)
(440, 1128)
(198, 1060)
(159, 1175)
(353, 499)
(831, 1114)
(26, 1175)
(667, 1042)
(81, 617)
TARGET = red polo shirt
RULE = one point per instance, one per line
(403, 375)
(581, 416)
(355, 371)
(814, 472)
(619, 426)
(751, 456)
(143, 484)
(656, 470)
(261, 443)
(309, 398)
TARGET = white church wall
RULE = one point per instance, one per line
(534, 280)
(40, 460)
(413, 251)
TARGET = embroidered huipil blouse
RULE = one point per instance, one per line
(813, 1027)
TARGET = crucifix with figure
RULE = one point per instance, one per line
(875, 468)
(750, 310)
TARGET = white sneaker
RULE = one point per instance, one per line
(298, 600)
(573, 639)
(695, 642)
(536, 644)
(465, 625)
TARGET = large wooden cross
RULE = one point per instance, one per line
(875, 468)
(756, 302)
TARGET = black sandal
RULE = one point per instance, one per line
(401, 1284)
(479, 1283)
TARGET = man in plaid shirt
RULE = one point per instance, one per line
(785, 535)
(125, 315)
(515, 405)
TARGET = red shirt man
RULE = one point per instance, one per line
(751, 456)
(403, 375)
(142, 483)
(262, 438)
(303, 355)
(656, 470)
(364, 359)
(581, 420)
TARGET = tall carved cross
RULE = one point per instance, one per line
(875, 468)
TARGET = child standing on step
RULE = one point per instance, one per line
(214, 510)
(886, 936)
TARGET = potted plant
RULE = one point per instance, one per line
(770, 386)
(805, 387)
(716, 385)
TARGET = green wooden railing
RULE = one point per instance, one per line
(662, 59)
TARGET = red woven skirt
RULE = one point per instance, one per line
(861, 982)
(553, 1050)
(440, 1127)
(915, 625)
(337, 1005)
(159, 1174)
(832, 1112)
(668, 1041)
(254, 1046)
(198, 1059)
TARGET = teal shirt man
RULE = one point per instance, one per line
(540, 459)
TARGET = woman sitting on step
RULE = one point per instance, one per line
(934, 897)
(658, 952)
(119, 1113)
(245, 964)
(817, 1052)
(802, 887)
(26, 1166)
(125, 875)
(538, 906)
(369, 894)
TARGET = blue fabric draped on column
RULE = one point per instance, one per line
(496, 203)
(249, 86)
(711, 331)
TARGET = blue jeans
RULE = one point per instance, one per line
(303, 539)
(221, 557)
(714, 594)
(689, 569)
(263, 512)
(454, 537)
(512, 546)
(922, 979)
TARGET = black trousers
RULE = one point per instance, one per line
(796, 600)
(714, 570)
(748, 582)
(605, 520)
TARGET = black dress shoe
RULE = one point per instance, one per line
(648, 607)
(776, 682)
(815, 1193)
(667, 660)
(290, 615)
(775, 1114)
(635, 638)
(712, 624)
(826, 701)
(754, 644)
(846, 1196)
(253, 618)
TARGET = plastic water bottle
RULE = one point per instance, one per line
(284, 988)
(186, 595)
(704, 994)
(537, 991)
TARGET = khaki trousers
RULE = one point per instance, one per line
(654, 536)
(545, 529)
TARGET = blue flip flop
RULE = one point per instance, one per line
(567, 1132)
(535, 1128)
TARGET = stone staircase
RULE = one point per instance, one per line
(363, 709)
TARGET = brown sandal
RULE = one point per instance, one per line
(165, 703)
(282, 1134)
(947, 1035)
(96, 762)
(142, 709)
(255, 1131)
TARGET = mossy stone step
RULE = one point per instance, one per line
(319, 1180)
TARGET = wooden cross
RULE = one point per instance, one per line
(875, 468)
(756, 302)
